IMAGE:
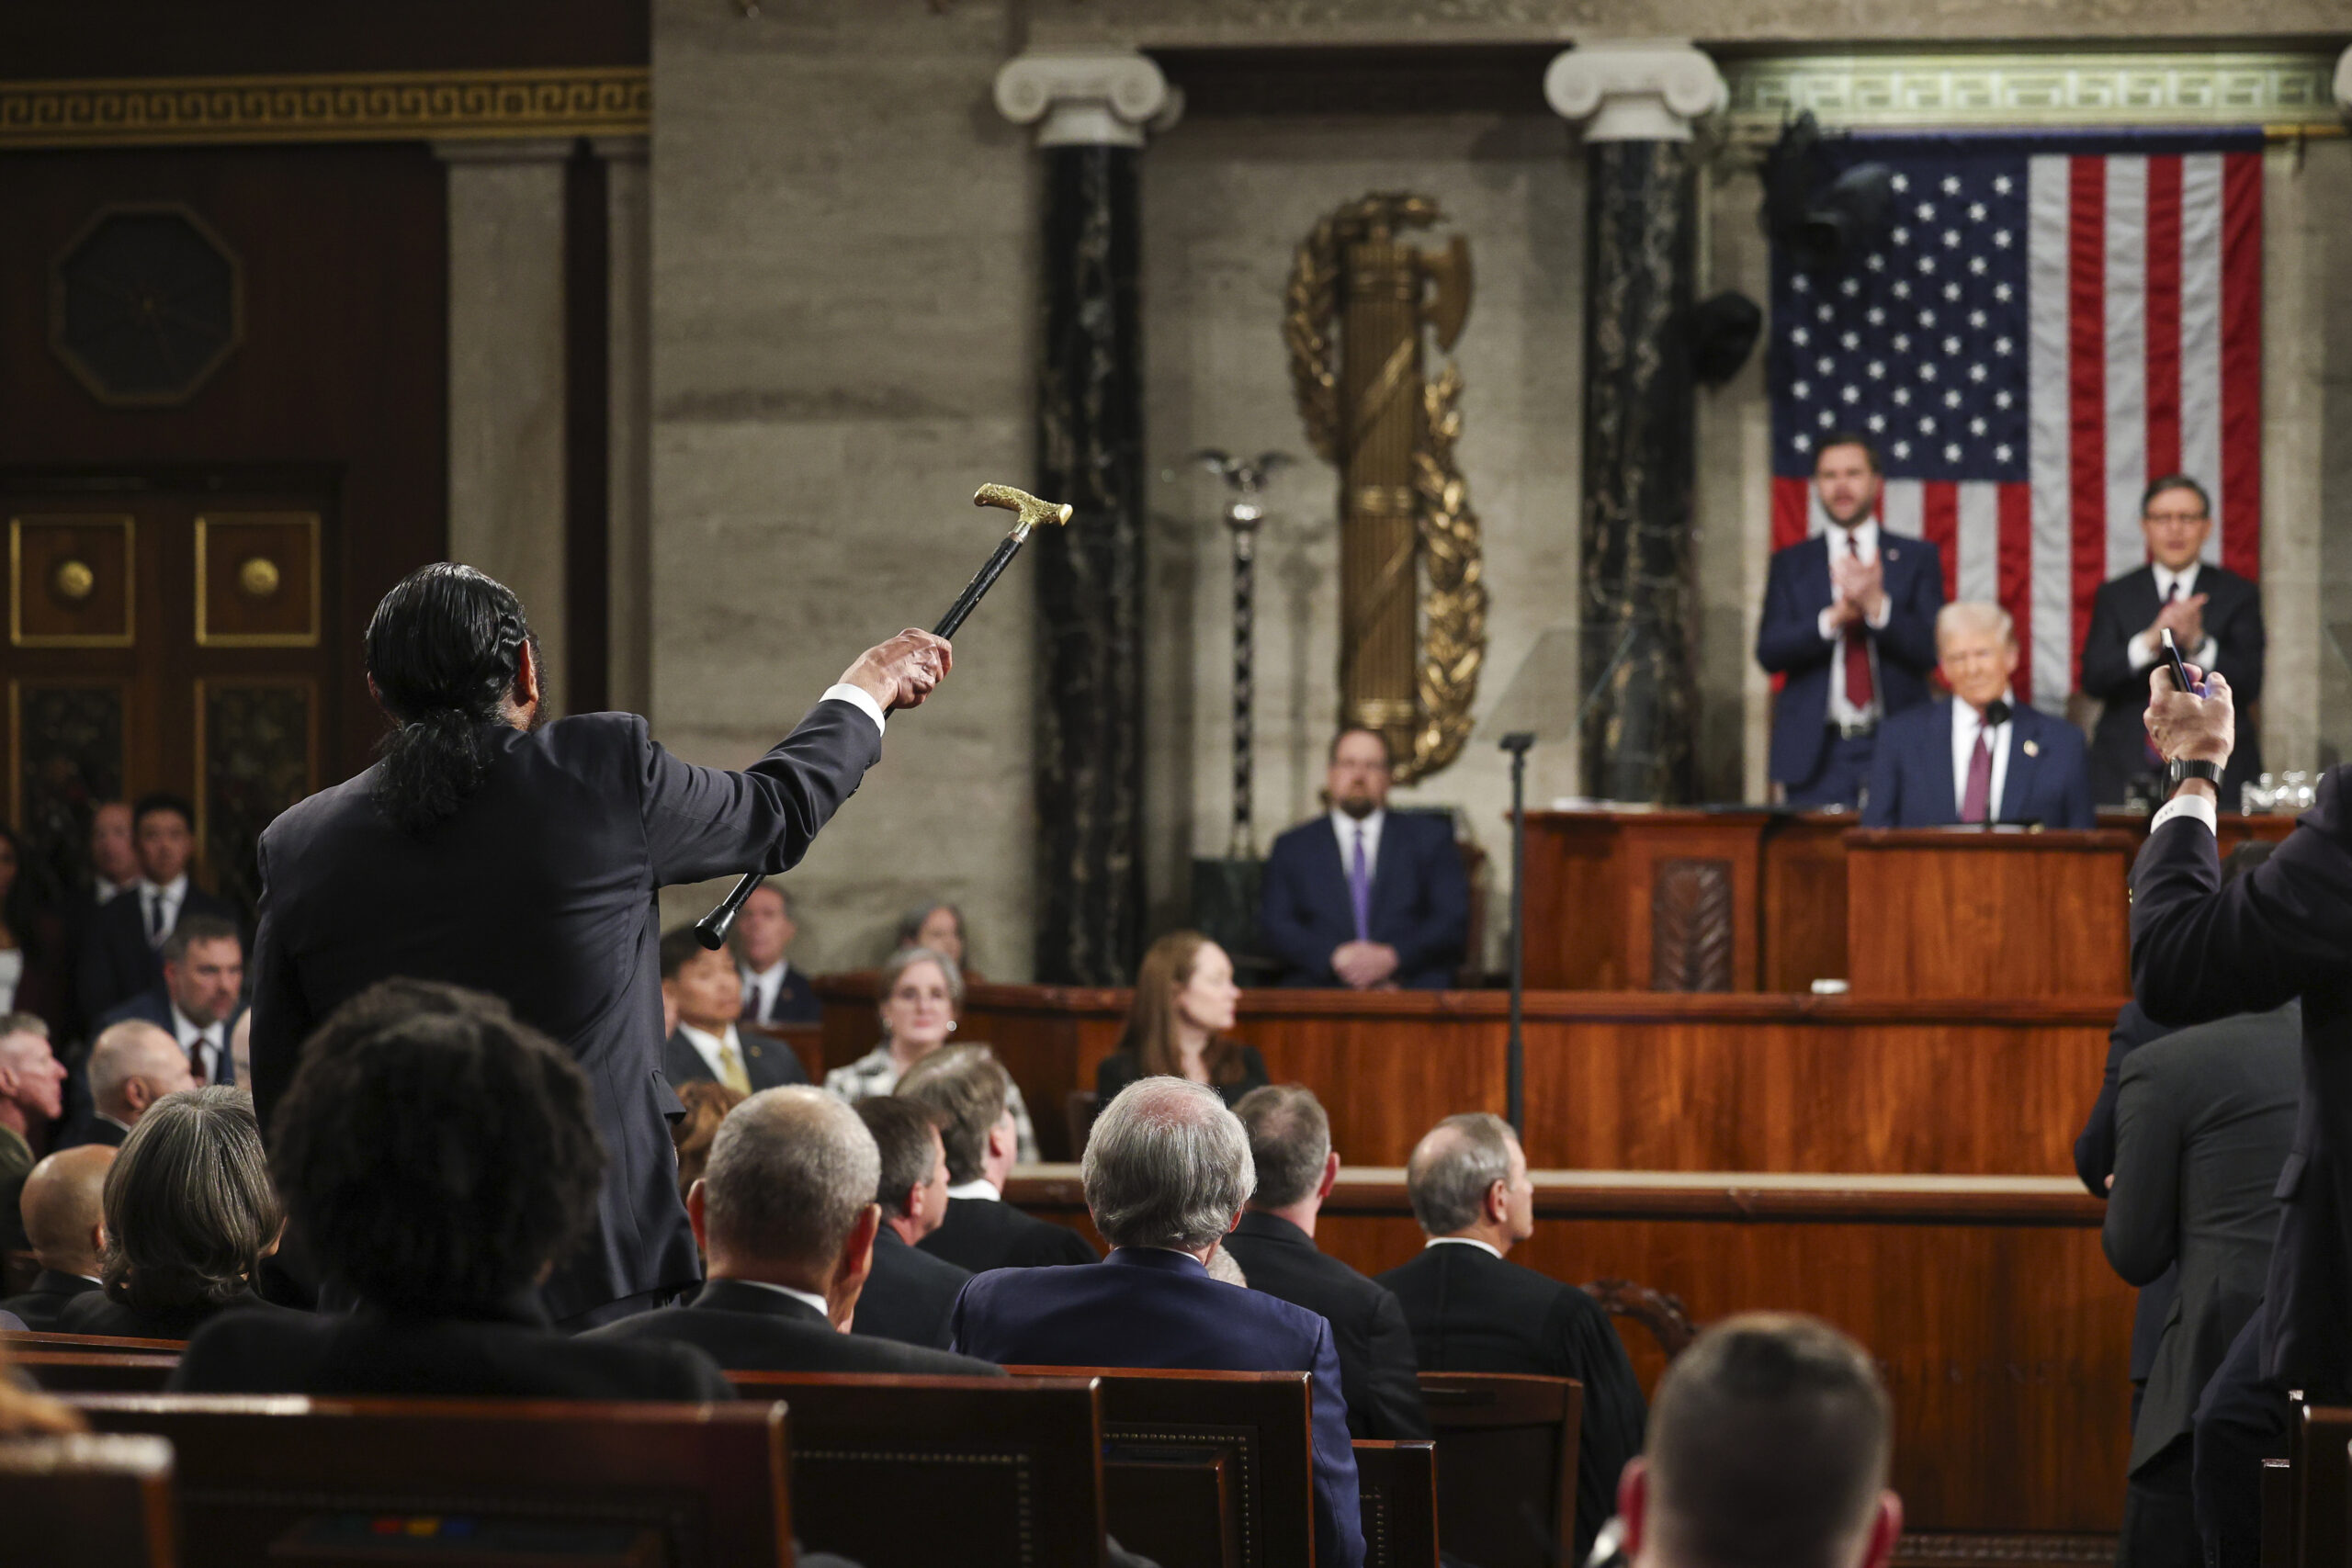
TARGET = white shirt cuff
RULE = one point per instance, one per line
(1885, 614)
(857, 697)
(2207, 654)
(2195, 806)
(2143, 656)
(1828, 632)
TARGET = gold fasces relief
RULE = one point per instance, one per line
(1357, 307)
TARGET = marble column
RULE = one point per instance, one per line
(1090, 111)
(1637, 100)
(628, 431)
(506, 373)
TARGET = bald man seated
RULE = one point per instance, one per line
(133, 1064)
(786, 1215)
(61, 1209)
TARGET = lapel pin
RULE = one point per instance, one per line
(2034, 748)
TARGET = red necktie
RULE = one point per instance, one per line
(1858, 650)
(2156, 758)
(1977, 804)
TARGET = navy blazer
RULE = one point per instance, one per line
(1420, 901)
(795, 1000)
(2047, 781)
(769, 1064)
(2201, 949)
(1143, 1308)
(155, 1007)
(543, 889)
(2095, 1162)
(1789, 642)
(2121, 610)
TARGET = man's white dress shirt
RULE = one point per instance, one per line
(1865, 549)
(1966, 724)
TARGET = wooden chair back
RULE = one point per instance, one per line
(1398, 1482)
(1160, 1428)
(1660, 1312)
(294, 1480)
(89, 1371)
(99, 1502)
(2320, 1453)
(1506, 1466)
(42, 1339)
(910, 1472)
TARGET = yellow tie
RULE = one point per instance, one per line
(731, 1069)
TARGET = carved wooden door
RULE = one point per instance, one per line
(166, 638)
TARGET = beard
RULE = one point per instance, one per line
(1357, 806)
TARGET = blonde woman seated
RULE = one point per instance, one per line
(922, 992)
(1176, 1025)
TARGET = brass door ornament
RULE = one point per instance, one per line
(1353, 319)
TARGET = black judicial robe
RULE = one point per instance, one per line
(542, 889)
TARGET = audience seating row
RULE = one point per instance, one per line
(1188, 1467)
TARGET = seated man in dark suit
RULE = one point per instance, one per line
(2203, 1120)
(120, 953)
(1290, 1143)
(62, 1217)
(1769, 1445)
(1166, 1173)
(967, 1093)
(1471, 1310)
(2215, 618)
(438, 1157)
(200, 997)
(703, 986)
(1362, 897)
(910, 1293)
(1978, 756)
(133, 1065)
(773, 991)
(786, 1215)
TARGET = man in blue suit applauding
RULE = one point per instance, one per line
(1166, 1173)
(1849, 625)
(1360, 897)
(1976, 757)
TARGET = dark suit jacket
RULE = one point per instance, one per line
(509, 1354)
(1420, 901)
(767, 1063)
(2200, 950)
(94, 1129)
(2202, 1121)
(1378, 1371)
(116, 962)
(2095, 1162)
(795, 1000)
(541, 889)
(97, 1313)
(749, 1328)
(1141, 1307)
(980, 1234)
(1911, 775)
(1789, 642)
(1122, 1067)
(154, 1006)
(1471, 1312)
(50, 1290)
(908, 1295)
(2121, 610)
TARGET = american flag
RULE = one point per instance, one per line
(2046, 324)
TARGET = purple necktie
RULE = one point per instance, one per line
(1977, 804)
(1360, 891)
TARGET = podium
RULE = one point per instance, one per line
(1644, 900)
(1961, 914)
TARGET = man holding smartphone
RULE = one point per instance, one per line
(2200, 950)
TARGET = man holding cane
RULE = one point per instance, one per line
(2202, 950)
(494, 851)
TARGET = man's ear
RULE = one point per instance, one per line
(856, 1263)
(1331, 1175)
(527, 675)
(1004, 1138)
(1633, 1501)
(1497, 1206)
(695, 1215)
(1886, 1530)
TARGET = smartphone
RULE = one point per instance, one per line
(2179, 670)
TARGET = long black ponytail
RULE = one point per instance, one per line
(445, 651)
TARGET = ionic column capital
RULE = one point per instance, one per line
(1635, 89)
(1086, 100)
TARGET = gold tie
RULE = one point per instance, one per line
(731, 1069)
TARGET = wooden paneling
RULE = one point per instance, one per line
(2004, 1337)
(1961, 913)
(1803, 928)
(1622, 1081)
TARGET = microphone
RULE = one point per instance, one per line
(1996, 713)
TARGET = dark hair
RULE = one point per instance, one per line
(193, 929)
(967, 1088)
(910, 922)
(20, 907)
(2176, 481)
(1768, 1445)
(1290, 1141)
(189, 1207)
(445, 651)
(679, 948)
(436, 1152)
(162, 800)
(1331, 753)
(902, 1131)
(1849, 438)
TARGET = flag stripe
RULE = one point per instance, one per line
(2086, 385)
(1967, 506)
(2164, 316)
(2049, 210)
(2241, 364)
(2201, 331)
(2013, 530)
(1790, 501)
(2126, 338)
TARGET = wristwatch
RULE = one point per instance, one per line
(2179, 773)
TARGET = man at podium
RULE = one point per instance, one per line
(1975, 756)
(1849, 626)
